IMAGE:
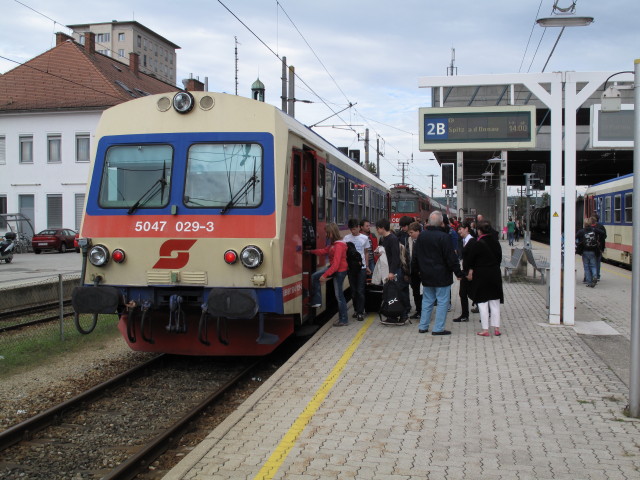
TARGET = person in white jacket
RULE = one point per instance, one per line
(381, 272)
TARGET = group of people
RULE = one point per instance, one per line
(423, 259)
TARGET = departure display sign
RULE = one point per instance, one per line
(612, 129)
(477, 128)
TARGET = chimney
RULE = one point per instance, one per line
(90, 42)
(134, 62)
(194, 85)
(62, 37)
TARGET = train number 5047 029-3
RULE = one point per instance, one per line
(161, 226)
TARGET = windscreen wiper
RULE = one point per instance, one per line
(251, 182)
(148, 195)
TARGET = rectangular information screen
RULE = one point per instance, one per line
(612, 129)
(477, 128)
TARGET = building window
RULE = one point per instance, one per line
(79, 210)
(121, 37)
(26, 207)
(139, 41)
(103, 37)
(26, 148)
(53, 148)
(121, 52)
(82, 147)
(54, 211)
(144, 60)
(3, 151)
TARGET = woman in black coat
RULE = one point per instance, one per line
(483, 264)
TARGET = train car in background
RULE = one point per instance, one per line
(197, 214)
(407, 200)
(612, 200)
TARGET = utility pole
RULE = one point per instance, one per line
(378, 156)
(432, 175)
(236, 50)
(402, 165)
(292, 97)
(366, 148)
(284, 84)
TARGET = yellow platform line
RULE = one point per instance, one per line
(279, 455)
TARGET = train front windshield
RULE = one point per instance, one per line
(221, 175)
(217, 175)
(403, 206)
(136, 173)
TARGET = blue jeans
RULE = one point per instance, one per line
(511, 236)
(357, 282)
(316, 293)
(590, 263)
(429, 297)
(338, 287)
(338, 284)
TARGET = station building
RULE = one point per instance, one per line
(49, 109)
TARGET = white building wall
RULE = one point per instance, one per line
(41, 178)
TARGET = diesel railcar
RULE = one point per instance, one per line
(612, 200)
(197, 213)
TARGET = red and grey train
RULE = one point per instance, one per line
(198, 210)
(409, 201)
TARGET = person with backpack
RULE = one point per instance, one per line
(595, 222)
(588, 245)
(338, 268)
(357, 260)
(392, 249)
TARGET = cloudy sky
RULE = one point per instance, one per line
(366, 52)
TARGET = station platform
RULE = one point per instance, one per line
(369, 401)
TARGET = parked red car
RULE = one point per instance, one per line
(60, 239)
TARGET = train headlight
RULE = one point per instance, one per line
(118, 255)
(231, 257)
(98, 255)
(183, 102)
(251, 256)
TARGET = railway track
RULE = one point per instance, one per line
(117, 429)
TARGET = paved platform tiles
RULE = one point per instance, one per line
(535, 403)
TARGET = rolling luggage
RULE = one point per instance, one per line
(372, 297)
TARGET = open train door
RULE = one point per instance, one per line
(313, 216)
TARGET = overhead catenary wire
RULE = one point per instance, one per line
(311, 90)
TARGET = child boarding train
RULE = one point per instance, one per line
(197, 213)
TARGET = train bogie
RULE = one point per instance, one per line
(196, 221)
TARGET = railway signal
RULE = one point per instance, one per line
(448, 176)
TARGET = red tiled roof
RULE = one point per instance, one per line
(67, 77)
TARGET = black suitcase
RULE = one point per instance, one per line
(372, 298)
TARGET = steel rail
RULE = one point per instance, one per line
(140, 461)
(25, 429)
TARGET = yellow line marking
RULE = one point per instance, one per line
(624, 275)
(279, 455)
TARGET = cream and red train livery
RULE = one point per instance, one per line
(198, 210)
(612, 200)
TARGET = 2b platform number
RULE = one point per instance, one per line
(436, 129)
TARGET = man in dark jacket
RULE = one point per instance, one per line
(437, 262)
(588, 241)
